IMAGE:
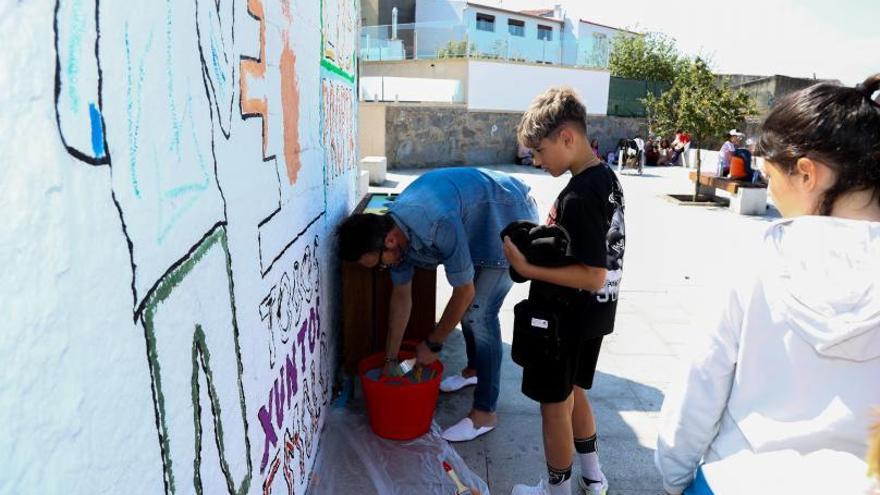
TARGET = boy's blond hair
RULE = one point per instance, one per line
(547, 113)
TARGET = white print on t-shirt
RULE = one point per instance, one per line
(615, 243)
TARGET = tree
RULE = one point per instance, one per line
(700, 105)
(647, 57)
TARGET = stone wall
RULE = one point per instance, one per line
(449, 135)
(609, 130)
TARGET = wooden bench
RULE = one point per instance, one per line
(746, 198)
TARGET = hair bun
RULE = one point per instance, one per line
(869, 86)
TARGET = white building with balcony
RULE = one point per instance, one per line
(472, 57)
(487, 32)
(450, 31)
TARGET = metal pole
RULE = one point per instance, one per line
(394, 23)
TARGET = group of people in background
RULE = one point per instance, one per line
(783, 390)
(662, 151)
(653, 152)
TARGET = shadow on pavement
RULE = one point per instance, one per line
(626, 414)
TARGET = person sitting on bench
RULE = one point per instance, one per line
(734, 138)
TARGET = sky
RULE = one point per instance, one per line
(833, 39)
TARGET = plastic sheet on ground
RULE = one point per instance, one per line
(352, 459)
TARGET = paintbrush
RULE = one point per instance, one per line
(416, 373)
(407, 365)
(460, 489)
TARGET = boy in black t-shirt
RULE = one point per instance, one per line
(591, 209)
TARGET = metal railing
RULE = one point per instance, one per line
(438, 40)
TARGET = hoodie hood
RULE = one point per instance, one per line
(828, 276)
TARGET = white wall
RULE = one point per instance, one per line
(590, 51)
(439, 10)
(569, 41)
(526, 48)
(586, 29)
(170, 177)
(388, 88)
(503, 86)
(437, 23)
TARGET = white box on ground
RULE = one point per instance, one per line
(376, 166)
(363, 183)
(749, 201)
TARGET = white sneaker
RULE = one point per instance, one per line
(541, 488)
(464, 431)
(598, 488)
(457, 382)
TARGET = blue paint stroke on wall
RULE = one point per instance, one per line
(134, 121)
(169, 73)
(219, 74)
(77, 30)
(181, 199)
(97, 131)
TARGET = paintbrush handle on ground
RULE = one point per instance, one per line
(460, 489)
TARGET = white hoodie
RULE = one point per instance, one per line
(793, 361)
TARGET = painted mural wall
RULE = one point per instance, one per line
(171, 173)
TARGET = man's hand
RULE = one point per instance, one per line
(391, 369)
(517, 260)
(424, 356)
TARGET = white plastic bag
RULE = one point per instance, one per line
(352, 459)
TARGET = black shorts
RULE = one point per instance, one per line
(555, 379)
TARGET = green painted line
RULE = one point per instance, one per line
(336, 70)
(200, 360)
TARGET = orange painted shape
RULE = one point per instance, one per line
(256, 69)
(290, 110)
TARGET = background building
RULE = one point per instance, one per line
(450, 87)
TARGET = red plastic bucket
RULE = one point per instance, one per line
(397, 408)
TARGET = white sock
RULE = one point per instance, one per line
(563, 488)
(590, 467)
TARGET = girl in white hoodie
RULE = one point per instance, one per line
(793, 362)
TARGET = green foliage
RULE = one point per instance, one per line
(649, 57)
(456, 49)
(698, 104)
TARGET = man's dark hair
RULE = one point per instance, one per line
(361, 234)
(835, 125)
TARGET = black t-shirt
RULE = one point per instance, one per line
(590, 208)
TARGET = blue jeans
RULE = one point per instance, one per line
(482, 333)
(699, 486)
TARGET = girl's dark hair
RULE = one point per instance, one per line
(832, 124)
(362, 233)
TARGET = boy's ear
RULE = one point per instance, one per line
(566, 136)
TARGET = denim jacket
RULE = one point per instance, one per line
(454, 216)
